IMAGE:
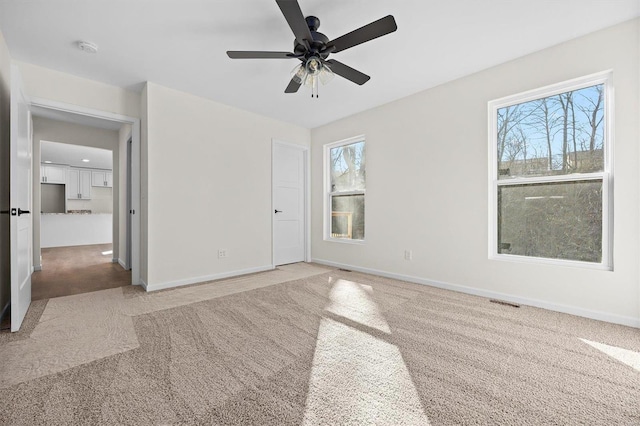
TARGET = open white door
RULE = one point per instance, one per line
(21, 226)
(289, 177)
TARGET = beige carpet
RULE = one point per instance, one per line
(331, 348)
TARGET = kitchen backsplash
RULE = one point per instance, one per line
(101, 201)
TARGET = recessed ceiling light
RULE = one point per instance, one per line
(87, 46)
(85, 160)
(47, 161)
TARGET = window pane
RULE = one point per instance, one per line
(556, 135)
(347, 216)
(552, 220)
(347, 167)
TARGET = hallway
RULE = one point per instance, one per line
(75, 270)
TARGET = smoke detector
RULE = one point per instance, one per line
(87, 46)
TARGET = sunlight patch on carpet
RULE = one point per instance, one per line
(626, 356)
(353, 301)
(357, 378)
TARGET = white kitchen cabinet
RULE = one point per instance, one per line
(50, 173)
(79, 184)
(102, 178)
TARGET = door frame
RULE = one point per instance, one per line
(135, 168)
(128, 198)
(306, 155)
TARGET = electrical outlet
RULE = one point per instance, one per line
(222, 253)
(408, 255)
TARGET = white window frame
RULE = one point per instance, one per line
(328, 194)
(604, 78)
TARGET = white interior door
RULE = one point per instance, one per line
(21, 226)
(289, 203)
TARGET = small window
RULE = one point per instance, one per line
(550, 174)
(345, 179)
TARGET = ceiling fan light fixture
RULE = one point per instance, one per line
(326, 75)
(312, 71)
(299, 73)
(313, 65)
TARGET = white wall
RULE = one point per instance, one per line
(208, 186)
(75, 134)
(5, 106)
(427, 190)
(53, 85)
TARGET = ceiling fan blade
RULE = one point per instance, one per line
(347, 72)
(292, 13)
(369, 32)
(235, 54)
(292, 87)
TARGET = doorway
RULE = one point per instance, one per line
(129, 181)
(290, 200)
(76, 202)
(98, 262)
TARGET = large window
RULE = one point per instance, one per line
(550, 183)
(345, 180)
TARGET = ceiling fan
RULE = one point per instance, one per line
(313, 48)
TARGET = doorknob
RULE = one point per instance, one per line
(278, 211)
(21, 212)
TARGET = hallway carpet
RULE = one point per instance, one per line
(75, 270)
(340, 348)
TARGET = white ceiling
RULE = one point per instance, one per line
(182, 44)
(72, 155)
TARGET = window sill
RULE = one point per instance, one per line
(554, 262)
(344, 241)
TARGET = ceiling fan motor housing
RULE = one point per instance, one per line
(317, 45)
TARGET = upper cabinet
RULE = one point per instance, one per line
(102, 178)
(50, 173)
(79, 184)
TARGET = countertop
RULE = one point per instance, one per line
(71, 214)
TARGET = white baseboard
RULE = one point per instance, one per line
(573, 310)
(205, 278)
(121, 262)
(37, 268)
(143, 284)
